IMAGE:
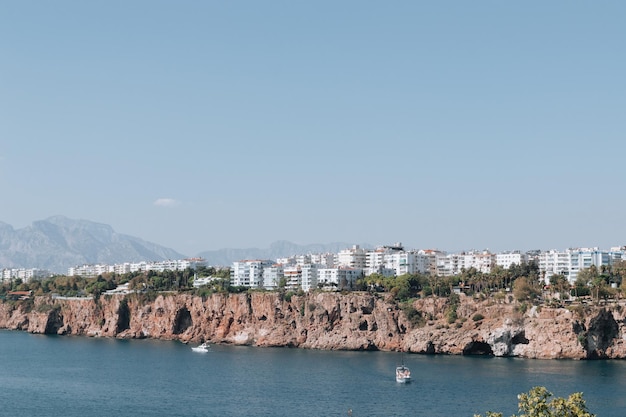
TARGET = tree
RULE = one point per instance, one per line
(535, 404)
(524, 290)
(560, 285)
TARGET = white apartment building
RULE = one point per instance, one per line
(293, 276)
(175, 265)
(379, 257)
(394, 258)
(444, 266)
(455, 263)
(324, 259)
(25, 274)
(303, 259)
(375, 261)
(355, 257)
(405, 262)
(90, 270)
(429, 259)
(272, 275)
(506, 259)
(481, 261)
(289, 260)
(248, 273)
(123, 268)
(342, 278)
(572, 261)
(309, 277)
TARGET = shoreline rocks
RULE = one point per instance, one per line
(334, 321)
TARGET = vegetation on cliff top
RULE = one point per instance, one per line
(522, 283)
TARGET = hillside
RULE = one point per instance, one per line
(58, 243)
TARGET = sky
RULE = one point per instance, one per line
(201, 125)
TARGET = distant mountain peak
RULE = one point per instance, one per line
(59, 242)
(277, 249)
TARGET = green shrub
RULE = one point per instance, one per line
(451, 316)
(523, 307)
(539, 402)
(478, 317)
(413, 315)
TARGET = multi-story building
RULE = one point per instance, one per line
(272, 275)
(428, 259)
(248, 273)
(402, 262)
(375, 260)
(570, 262)
(341, 278)
(324, 259)
(90, 270)
(293, 276)
(309, 276)
(354, 257)
(123, 268)
(506, 259)
(394, 258)
(25, 274)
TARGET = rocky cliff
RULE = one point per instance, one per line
(352, 321)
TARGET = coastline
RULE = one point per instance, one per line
(335, 321)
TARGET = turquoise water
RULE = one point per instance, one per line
(79, 376)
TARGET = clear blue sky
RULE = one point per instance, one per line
(200, 125)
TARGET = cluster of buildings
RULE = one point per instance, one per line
(25, 274)
(143, 266)
(341, 270)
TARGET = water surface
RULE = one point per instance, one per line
(80, 376)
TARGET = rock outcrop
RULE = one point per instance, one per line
(350, 321)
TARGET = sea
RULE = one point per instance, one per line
(66, 376)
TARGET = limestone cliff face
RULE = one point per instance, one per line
(353, 321)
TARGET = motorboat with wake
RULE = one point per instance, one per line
(201, 348)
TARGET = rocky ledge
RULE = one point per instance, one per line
(352, 321)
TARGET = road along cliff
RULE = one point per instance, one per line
(335, 321)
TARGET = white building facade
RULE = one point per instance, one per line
(570, 262)
(507, 259)
(248, 273)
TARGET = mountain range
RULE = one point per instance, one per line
(278, 249)
(58, 243)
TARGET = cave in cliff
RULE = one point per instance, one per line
(182, 321)
(54, 322)
(478, 348)
(603, 330)
(123, 317)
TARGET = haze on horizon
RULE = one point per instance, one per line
(206, 125)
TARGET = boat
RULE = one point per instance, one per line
(403, 373)
(201, 348)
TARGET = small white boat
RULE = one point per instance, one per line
(201, 348)
(403, 374)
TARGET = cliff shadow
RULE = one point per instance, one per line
(123, 317)
(54, 322)
(182, 321)
(478, 348)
